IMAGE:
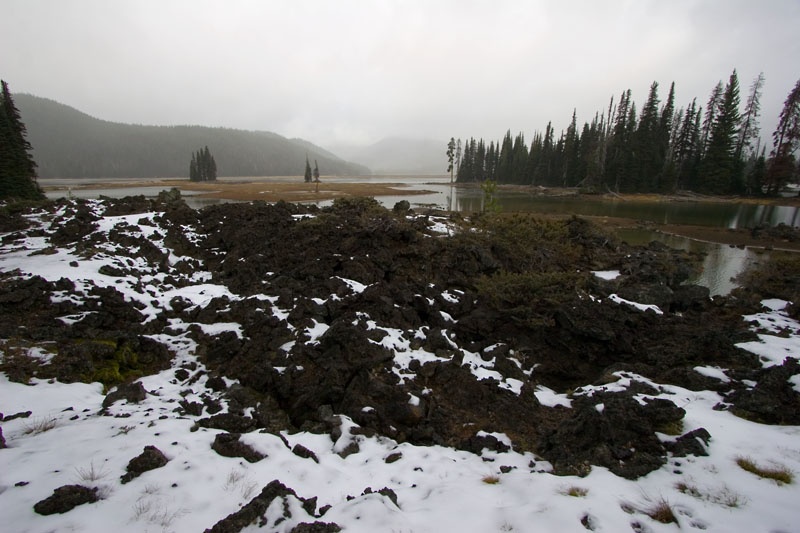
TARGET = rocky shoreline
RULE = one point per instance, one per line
(356, 322)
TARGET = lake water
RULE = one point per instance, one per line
(722, 263)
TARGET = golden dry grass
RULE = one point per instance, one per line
(267, 190)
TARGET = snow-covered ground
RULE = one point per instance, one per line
(67, 440)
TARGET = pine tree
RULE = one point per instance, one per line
(307, 175)
(506, 159)
(786, 141)
(17, 166)
(193, 172)
(646, 165)
(451, 156)
(458, 155)
(711, 115)
(316, 171)
(716, 171)
(541, 176)
(570, 156)
(744, 156)
(752, 108)
(666, 172)
(618, 145)
(519, 159)
(202, 166)
(534, 154)
(685, 145)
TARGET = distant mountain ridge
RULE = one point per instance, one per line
(68, 143)
(399, 155)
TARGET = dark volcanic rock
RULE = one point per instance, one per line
(254, 511)
(150, 459)
(693, 443)
(229, 422)
(316, 527)
(773, 400)
(301, 451)
(619, 435)
(131, 393)
(65, 499)
(229, 445)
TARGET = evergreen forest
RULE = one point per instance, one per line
(17, 166)
(711, 148)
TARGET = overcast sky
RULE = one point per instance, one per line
(337, 71)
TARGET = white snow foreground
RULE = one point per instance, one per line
(66, 440)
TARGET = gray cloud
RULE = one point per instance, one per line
(356, 71)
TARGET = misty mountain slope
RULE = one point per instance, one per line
(395, 155)
(70, 144)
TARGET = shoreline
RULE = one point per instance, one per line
(290, 189)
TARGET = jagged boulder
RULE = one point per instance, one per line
(254, 512)
(66, 498)
(130, 392)
(773, 400)
(150, 459)
(230, 445)
(612, 430)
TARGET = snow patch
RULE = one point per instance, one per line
(607, 275)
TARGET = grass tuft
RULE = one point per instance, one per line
(661, 511)
(721, 496)
(491, 480)
(779, 473)
(574, 491)
(91, 473)
(39, 425)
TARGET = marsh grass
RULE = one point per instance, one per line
(721, 496)
(661, 511)
(779, 473)
(91, 473)
(238, 480)
(39, 425)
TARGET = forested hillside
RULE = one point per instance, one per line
(714, 148)
(70, 144)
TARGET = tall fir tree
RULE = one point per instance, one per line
(506, 159)
(745, 154)
(541, 175)
(618, 145)
(685, 146)
(646, 165)
(716, 171)
(519, 160)
(786, 140)
(307, 175)
(569, 167)
(17, 166)
(666, 172)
